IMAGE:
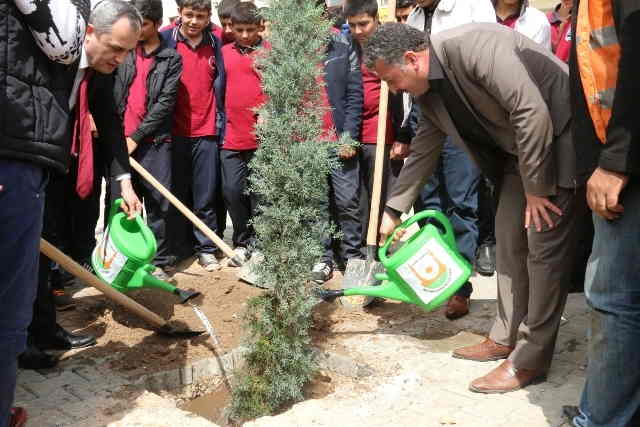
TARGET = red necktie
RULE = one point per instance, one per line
(82, 144)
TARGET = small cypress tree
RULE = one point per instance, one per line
(289, 176)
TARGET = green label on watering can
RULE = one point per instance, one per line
(107, 260)
(430, 270)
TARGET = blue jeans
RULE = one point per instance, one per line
(21, 210)
(611, 395)
(453, 190)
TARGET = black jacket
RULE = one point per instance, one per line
(344, 84)
(162, 87)
(621, 153)
(111, 142)
(35, 121)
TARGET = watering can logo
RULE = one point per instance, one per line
(430, 272)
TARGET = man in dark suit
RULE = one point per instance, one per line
(504, 99)
(72, 207)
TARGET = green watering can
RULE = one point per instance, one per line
(123, 257)
(426, 270)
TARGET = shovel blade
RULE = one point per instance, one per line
(360, 273)
(248, 273)
(172, 331)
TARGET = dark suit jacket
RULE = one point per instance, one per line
(111, 143)
(517, 91)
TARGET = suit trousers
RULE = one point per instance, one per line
(235, 172)
(533, 272)
(391, 170)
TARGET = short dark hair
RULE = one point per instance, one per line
(225, 8)
(107, 12)
(401, 4)
(195, 4)
(245, 13)
(149, 9)
(390, 42)
(357, 7)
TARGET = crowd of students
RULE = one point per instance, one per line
(182, 99)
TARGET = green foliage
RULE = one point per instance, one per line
(289, 176)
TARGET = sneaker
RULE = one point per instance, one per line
(242, 256)
(61, 278)
(321, 272)
(209, 262)
(17, 417)
(62, 300)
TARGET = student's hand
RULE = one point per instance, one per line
(346, 151)
(536, 211)
(131, 145)
(603, 193)
(388, 224)
(130, 203)
(399, 151)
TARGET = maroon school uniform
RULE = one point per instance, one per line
(243, 95)
(370, 108)
(195, 114)
(560, 35)
(136, 108)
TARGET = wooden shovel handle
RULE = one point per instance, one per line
(74, 268)
(374, 212)
(182, 208)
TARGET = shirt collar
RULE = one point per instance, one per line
(181, 38)
(247, 49)
(435, 68)
(84, 59)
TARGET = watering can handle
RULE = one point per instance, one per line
(138, 219)
(449, 237)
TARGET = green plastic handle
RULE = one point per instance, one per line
(147, 235)
(449, 237)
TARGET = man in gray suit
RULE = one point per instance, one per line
(505, 100)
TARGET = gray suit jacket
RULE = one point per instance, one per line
(518, 92)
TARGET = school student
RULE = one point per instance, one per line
(243, 95)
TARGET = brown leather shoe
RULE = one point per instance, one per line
(506, 378)
(457, 307)
(486, 351)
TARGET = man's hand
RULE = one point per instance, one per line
(399, 151)
(536, 211)
(603, 193)
(94, 129)
(131, 204)
(387, 226)
(346, 151)
(131, 145)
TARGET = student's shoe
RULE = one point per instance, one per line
(17, 417)
(62, 339)
(486, 259)
(321, 272)
(209, 262)
(34, 358)
(242, 256)
(62, 300)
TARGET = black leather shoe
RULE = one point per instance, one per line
(64, 340)
(486, 259)
(34, 358)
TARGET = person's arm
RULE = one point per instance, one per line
(162, 110)
(58, 27)
(419, 166)
(354, 97)
(542, 34)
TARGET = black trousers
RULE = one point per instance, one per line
(391, 170)
(156, 159)
(196, 182)
(241, 205)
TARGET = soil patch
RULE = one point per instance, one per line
(134, 348)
